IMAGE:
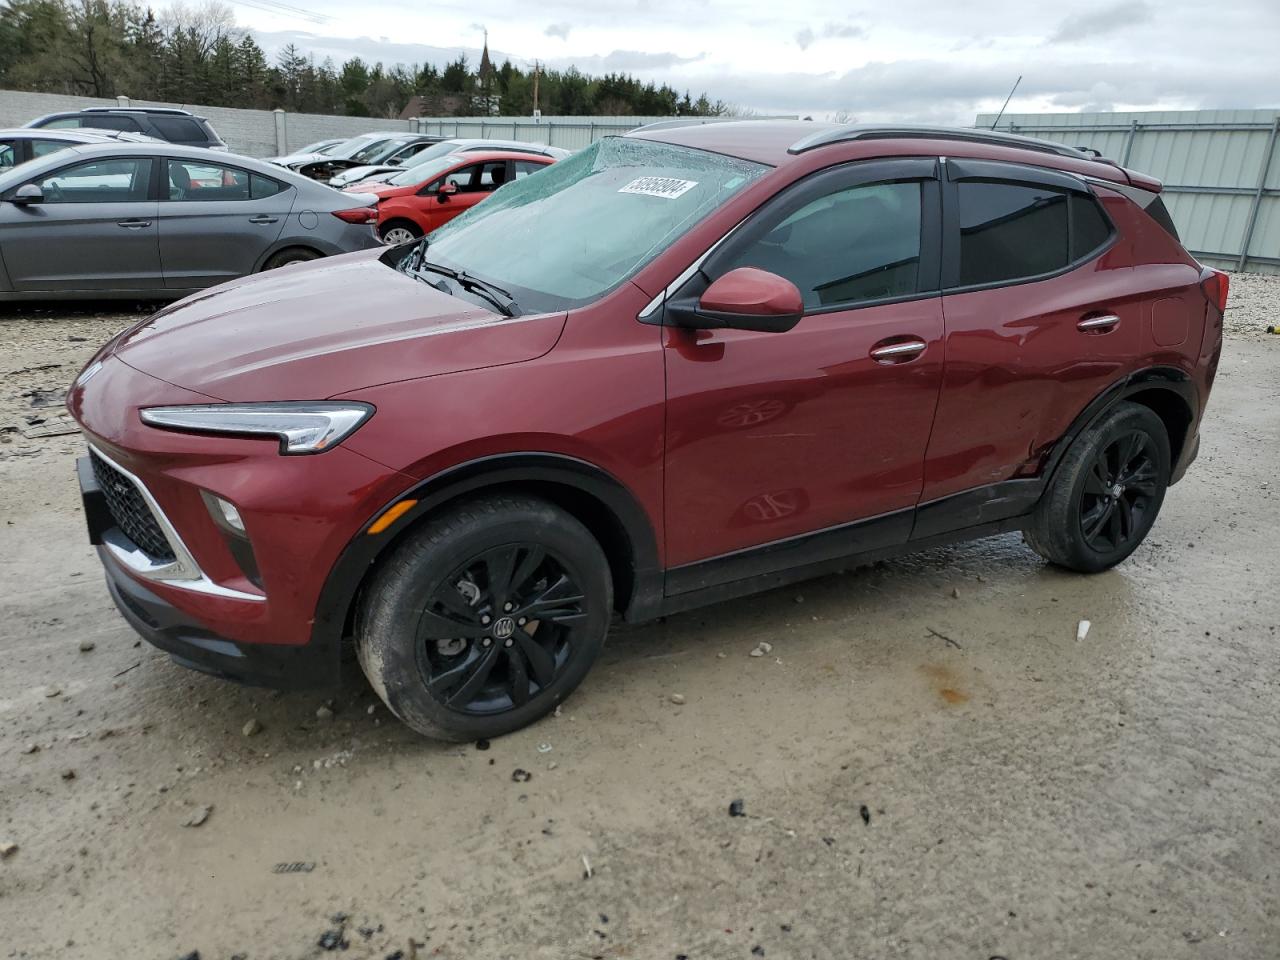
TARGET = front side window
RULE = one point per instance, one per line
(199, 180)
(62, 123)
(120, 180)
(588, 223)
(857, 244)
(1016, 231)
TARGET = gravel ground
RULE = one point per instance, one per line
(930, 764)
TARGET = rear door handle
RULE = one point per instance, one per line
(263, 218)
(133, 224)
(899, 352)
(1108, 321)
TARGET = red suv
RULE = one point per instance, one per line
(432, 193)
(672, 369)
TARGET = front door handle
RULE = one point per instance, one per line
(263, 218)
(133, 224)
(898, 352)
(1101, 324)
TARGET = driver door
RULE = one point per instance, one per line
(795, 447)
(96, 229)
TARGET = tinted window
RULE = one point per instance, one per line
(260, 187)
(99, 181)
(106, 121)
(179, 129)
(1009, 231)
(8, 154)
(1089, 227)
(198, 180)
(860, 243)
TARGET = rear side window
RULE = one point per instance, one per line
(42, 148)
(1014, 231)
(8, 154)
(179, 129)
(107, 121)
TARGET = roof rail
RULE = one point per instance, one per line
(678, 122)
(870, 131)
(184, 113)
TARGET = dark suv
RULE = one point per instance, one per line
(162, 123)
(674, 368)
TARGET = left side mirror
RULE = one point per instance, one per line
(27, 194)
(749, 299)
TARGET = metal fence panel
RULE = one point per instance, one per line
(1220, 169)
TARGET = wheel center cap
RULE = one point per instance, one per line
(504, 628)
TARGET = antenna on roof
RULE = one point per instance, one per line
(1006, 101)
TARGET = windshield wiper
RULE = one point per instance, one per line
(505, 303)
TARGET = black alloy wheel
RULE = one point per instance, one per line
(499, 629)
(1119, 488)
(1105, 494)
(485, 616)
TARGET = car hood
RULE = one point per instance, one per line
(355, 173)
(289, 160)
(323, 328)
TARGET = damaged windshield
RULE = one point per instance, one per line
(573, 231)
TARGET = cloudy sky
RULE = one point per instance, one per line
(923, 60)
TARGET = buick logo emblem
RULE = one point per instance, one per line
(504, 628)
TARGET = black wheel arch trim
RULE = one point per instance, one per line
(533, 470)
(1169, 379)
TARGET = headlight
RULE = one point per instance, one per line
(303, 426)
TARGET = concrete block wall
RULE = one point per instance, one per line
(254, 133)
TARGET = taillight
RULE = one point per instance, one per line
(358, 215)
(1215, 287)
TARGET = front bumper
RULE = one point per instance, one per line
(191, 644)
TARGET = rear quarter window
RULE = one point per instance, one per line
(179, 129)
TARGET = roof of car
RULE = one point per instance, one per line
(777, 141)
(81, 135)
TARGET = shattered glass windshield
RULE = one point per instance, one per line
(578, 228)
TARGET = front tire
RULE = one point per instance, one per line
(1106, 493)
(486, 618)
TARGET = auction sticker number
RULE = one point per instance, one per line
(666, 187)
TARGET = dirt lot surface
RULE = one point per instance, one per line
(931, 764)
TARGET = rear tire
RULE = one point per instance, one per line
(485, 618)
(286, 257)
(399, 231)
(1106, 492)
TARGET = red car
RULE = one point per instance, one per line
(432, 193)
(675, 368)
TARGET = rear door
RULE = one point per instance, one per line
(1042, 314)
(95, 230)
(217, 221)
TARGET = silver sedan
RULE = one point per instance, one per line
(159, 221)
